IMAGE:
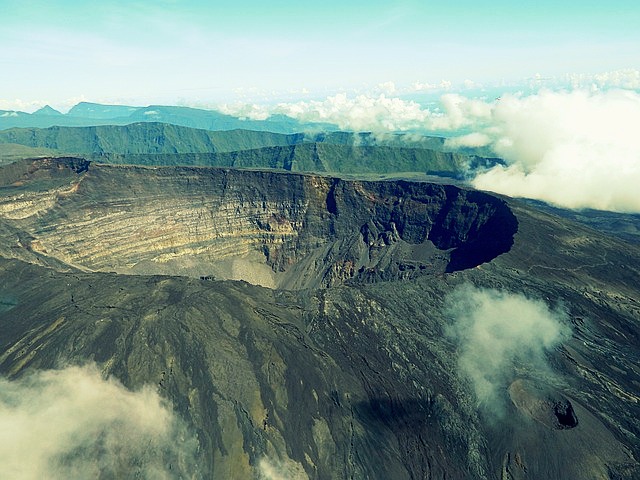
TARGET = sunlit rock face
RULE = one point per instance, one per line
(271, 229)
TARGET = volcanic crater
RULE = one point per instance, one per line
(275, 229)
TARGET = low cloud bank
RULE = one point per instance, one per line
(360, 113)
(378, 114)
(628, 78)
(575, 150)
(73, 424)
(496, 331)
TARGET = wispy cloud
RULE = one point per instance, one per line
(628, 78)
(470, 140)
(498, 331)
(73, 424)
(270, 469)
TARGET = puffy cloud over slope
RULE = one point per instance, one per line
(498, 330)
(73, 424)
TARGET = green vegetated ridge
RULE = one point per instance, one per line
(156, 138)
(148, 138)
(165, 144)
(314, 157)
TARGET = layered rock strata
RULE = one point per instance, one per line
(273, 229)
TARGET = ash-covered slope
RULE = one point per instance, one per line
(525, 366)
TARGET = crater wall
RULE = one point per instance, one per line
(270, 228)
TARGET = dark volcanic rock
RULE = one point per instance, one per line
(552, 411)
(357, 379)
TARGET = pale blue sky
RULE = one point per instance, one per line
(170, 51)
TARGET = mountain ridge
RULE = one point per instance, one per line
(167, 144)
(48, 111)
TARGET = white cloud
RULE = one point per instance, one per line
(443, 86)
(270, 469)
(627, 79)
(359, 113)
(497, 330)
(388, 88)
(471, 85)
(446, 84)
(576, 149)
(21, 105)
(245, 110)
(459, 112)
(472, 140)
(73, 424)
(422, 87)
(377, 113)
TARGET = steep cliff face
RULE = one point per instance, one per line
(293, 231)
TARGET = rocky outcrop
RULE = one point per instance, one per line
(274, 229)
(551, 410)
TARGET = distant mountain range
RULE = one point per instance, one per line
(87, 114)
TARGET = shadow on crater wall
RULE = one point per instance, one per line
(465, 227)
